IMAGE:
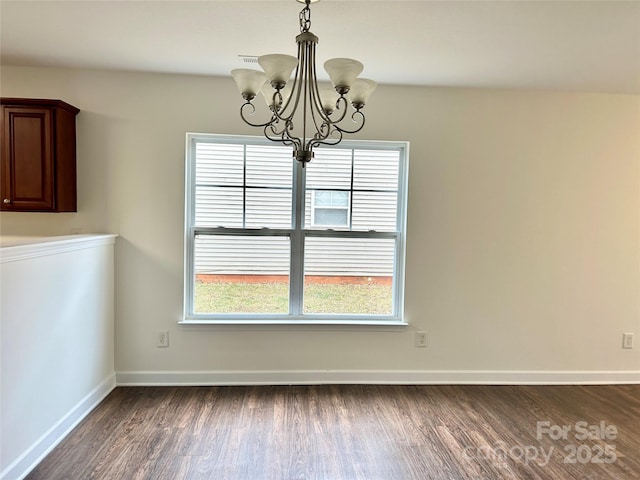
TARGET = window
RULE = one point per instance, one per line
(329, 208)
(267, 240)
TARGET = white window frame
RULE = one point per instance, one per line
(297, 234)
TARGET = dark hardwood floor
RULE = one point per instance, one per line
(355, 432)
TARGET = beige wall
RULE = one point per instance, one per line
(523, 241)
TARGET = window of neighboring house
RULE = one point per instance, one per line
(329, 208)
(268, 240)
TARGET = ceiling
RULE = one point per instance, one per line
(566, 45)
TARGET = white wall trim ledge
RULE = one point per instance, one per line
(382, 377)
(19, 468)
(21, 248)
(57, 304)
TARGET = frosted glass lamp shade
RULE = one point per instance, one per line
(360, 91)
(268, 91)
(343, 71)
(248, 81)
(328, 99)
(278, 67)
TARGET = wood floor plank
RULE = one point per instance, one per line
(337, 432)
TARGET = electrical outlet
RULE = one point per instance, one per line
(627, 340)
(163, 339)
(421, 339)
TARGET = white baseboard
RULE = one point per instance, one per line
(382, 377)
(20, 467)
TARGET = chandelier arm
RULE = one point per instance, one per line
(296, 141)
(295, 91)
(273, 129)
(323, 124)
(362, 118)
(242, 115)
(342, 101)
(323, 129)
(279, 138)
(283, 135)
(276, 103)
(329, 140)
(272, 133)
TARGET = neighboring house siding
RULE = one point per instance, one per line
(222, 207)
(266, 200)
(219, 255)
(370, 211)
(326, 256)
(358, 257)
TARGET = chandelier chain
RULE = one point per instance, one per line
(305, 19)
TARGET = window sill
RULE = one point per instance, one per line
(269, 324)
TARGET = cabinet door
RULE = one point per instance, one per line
(27, 159)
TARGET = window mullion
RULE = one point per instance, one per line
(244, 188)
(353, 156)
(296, 278)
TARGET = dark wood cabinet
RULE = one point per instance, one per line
(38, 155)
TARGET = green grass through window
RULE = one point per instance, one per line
(234, 297)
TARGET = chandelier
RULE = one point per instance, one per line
(323, 114)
